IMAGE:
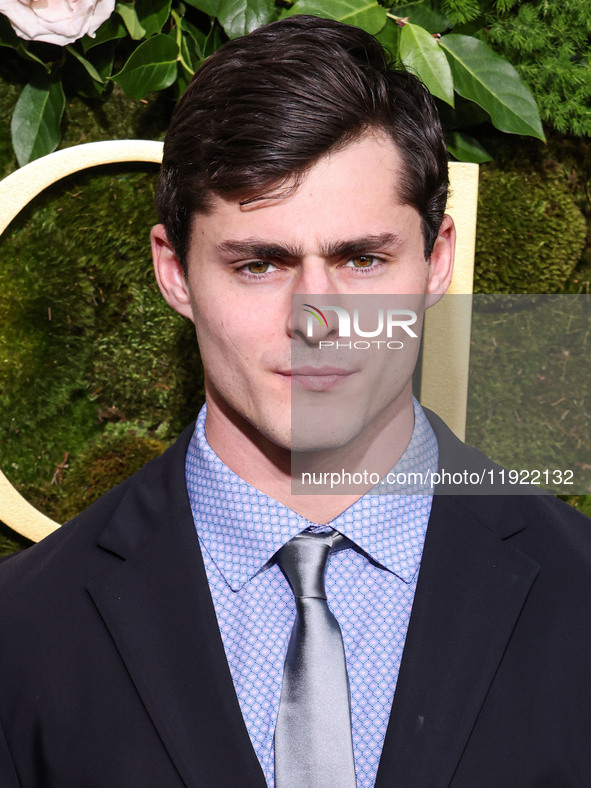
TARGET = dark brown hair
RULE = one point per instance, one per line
(264, 108)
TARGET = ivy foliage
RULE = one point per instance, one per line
(156, 45)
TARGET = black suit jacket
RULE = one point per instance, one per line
(113, 673)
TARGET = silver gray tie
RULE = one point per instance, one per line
(313, 744)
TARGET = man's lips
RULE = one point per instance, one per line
(318, 378)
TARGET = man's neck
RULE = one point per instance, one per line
(268, 467)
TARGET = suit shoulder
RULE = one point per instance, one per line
(66, 556)
(542, 525)
(548, 530)
(558, 523)
(59, 553)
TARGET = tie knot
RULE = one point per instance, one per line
(303, 561)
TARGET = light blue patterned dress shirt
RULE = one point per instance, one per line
(371, 594)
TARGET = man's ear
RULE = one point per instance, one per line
(441, 262)
(169, 273)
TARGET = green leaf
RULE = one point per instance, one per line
(239, 17)
(389, 37)
(214, 40)
(463, 147)
(195, 40)
(9, 39)
(476, 27)
(103, 58)
(209, 7)
(489, 80)
(421, 54)
(35, 125)
(152, 66)
(152, 15)
(188, 61)
(361, 13)
(86, 63)
(110, 30)
(421, 13)
(182, 81)
(129, 15)
(464, 115)
(191, 53)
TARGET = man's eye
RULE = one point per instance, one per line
(362, 261)
(258, 267)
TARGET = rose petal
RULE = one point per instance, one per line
(58, 22)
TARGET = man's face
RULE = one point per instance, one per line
(342, 232)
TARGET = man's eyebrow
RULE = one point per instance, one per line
(258, 249)
(264, 250)
(364, 243)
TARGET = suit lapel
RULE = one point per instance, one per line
(472, 586)
(157, 607)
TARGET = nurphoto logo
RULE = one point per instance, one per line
(387, 320)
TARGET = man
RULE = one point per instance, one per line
(149, 642)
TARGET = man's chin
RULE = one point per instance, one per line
(313, 436)
(271, 436)
(323, 436)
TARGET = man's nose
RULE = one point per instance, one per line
(312, 288)
(315, 277)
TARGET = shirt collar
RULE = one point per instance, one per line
(242, 528)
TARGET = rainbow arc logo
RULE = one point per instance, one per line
(315, 312)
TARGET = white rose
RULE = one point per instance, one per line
(56, 21)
